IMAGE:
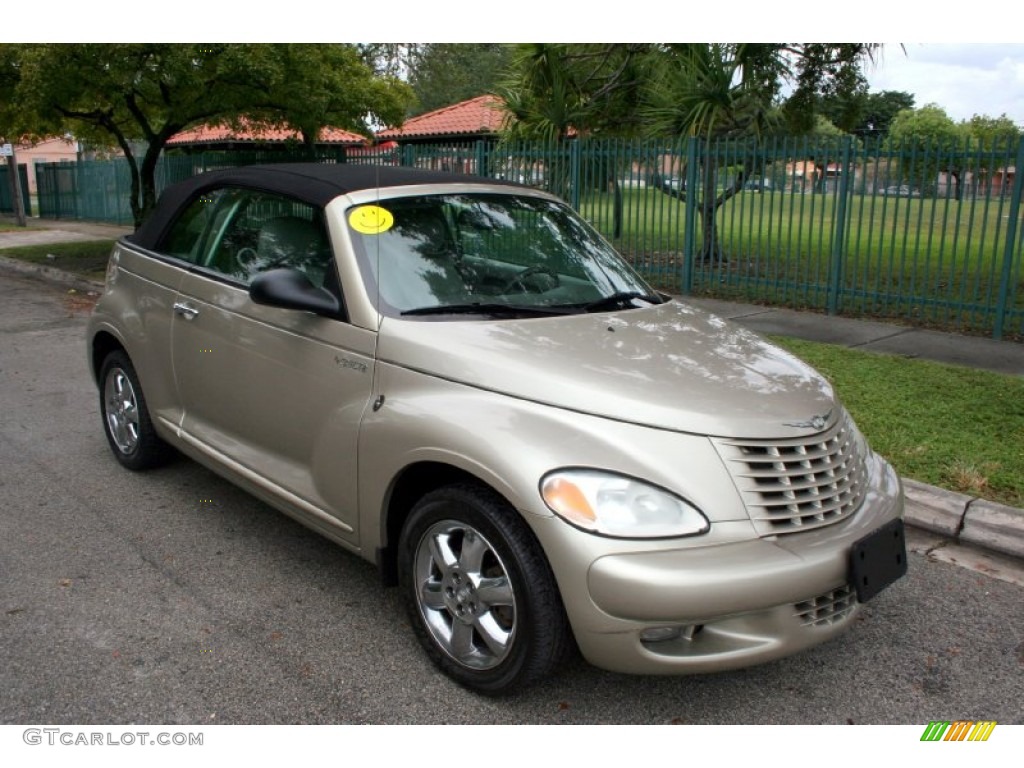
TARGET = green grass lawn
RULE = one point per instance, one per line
(957, 428)
(86, 259)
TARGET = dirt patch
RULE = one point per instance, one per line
(79, 303)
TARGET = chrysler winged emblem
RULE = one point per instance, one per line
(815, 422)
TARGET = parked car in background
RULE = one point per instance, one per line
(758, 185)
(460, 381)
(901, 190)
(670, 184)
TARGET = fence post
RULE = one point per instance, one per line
(481, 158)
(839, 229)
(690, 215)
(72, 198)
(1011, 243)
(574, 173)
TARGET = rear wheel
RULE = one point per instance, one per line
(126, 421)
(479, 591)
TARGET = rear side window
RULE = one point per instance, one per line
(185, 238)
(239, 233)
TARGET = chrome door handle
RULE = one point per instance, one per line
(185, 310)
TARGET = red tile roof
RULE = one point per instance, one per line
(482, 115)
(209, 134)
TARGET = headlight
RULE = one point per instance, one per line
(613, 505)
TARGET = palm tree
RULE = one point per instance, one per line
(557, 92)
(718, 92)
(713, 92)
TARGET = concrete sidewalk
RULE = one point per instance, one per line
(45, 231)
(955, 516)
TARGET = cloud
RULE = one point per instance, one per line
(963, 79)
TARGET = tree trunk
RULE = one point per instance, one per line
(309, 144)
(135, 201)
(147, 181)
(617, 208)
(711, 248)
(708, 205)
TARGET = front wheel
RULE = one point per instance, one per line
(479, 591)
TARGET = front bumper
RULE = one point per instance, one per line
(700, 607)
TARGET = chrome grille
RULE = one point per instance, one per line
(800, 484)
(827, 609)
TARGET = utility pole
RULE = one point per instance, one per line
(16, 201)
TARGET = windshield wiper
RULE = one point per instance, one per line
(501, 310)
(622, 299)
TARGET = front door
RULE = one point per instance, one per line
(276, 396)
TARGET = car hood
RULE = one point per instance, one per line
(669, 366)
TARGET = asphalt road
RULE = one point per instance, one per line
(171, 597)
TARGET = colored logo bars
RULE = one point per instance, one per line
(958, 730)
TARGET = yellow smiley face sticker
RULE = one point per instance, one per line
(371, 220)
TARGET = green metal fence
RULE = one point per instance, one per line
(6, 198)
(929, 235)
(92, 191)
(100, 190)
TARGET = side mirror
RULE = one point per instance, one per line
(290, 289)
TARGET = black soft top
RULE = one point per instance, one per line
(313, 183)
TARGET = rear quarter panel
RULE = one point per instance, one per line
(137, 307)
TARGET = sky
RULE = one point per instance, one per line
(963, 78)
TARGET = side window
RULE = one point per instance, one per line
(185, 238)
(261, 231)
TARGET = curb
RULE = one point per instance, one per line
(961, 518)
(50, 274)
(965, 519)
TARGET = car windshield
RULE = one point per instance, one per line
(498, 255)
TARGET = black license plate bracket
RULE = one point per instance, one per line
(878, 559)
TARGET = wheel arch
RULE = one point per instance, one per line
(410, 485)
(102, 344)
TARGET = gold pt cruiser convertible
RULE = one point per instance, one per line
(458, 379)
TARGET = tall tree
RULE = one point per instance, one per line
(879, 110)
(390, 59)
(929, 142)
(143, 94)
(864, 114)
(994, 141)
(447, 73)
(824, 73)
(994, 133)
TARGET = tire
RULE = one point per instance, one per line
(126, 421)
(480, 594)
